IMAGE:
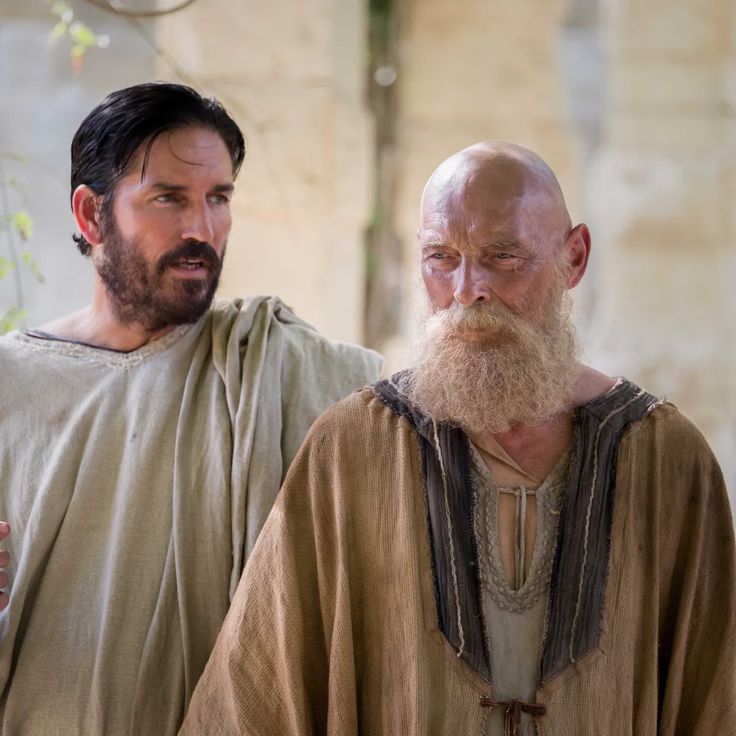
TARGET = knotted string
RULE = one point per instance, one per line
(521, 494)
(512, 713)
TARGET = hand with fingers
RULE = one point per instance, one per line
(4, 562)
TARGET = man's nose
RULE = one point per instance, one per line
(197, 224)
(471, 284)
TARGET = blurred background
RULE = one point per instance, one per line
(348, 105)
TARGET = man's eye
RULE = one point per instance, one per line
(219, 199)
(166, 197)
(504, 256)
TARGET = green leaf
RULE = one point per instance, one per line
(13, 157)
(16, 186)
(63, 11)
(32, 265)
(23, 223)
(83, 35)
(58, 31)
(6, 267)
(11, 319)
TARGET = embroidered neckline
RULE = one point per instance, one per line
(549, 496)
(101, 356)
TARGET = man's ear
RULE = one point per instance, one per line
(577, 247)
(86, 207)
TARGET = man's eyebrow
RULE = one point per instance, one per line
(504, 244)
(168, 187)
(165, 186)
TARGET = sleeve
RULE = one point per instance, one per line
(283, 662)
(316, 373)
(291, 375)
(698, 603)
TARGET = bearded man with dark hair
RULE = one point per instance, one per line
(143, 439)
(498, 541)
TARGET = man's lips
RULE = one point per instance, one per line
(191, 268)
(481, 335)
(192, 258)
(190, 263)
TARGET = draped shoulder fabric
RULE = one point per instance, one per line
(337, 627)
(136, 485)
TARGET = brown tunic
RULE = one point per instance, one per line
(334, 628)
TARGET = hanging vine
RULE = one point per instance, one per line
(81, 36)
(17, 226)
(383, 252)
(16, 223)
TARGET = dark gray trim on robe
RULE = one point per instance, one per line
(580, 570)
(454, 556)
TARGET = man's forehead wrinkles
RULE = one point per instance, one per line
(432, 237)
(433, 217)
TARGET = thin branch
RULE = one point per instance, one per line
(12, 249)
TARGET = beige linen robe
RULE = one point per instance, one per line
(334, 628)
(136, 485)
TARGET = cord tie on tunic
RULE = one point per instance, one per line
(512, 713)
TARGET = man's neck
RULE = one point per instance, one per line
(99, 326)
(538, 447)
(90, 328)
(535, 448)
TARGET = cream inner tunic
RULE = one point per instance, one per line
(514, 601)
(136, 484)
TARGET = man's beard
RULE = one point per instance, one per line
(141, 293)
(512, 372)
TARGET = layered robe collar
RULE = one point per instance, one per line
(574, 616)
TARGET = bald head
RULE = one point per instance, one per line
(496, 182)
(495, 227)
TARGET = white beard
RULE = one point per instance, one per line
(512, 372)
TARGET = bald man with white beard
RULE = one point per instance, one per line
(499, 540)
